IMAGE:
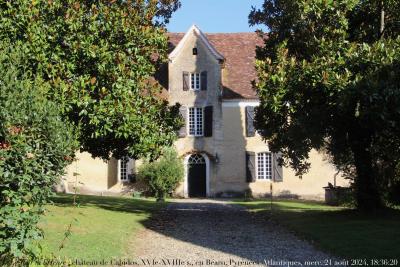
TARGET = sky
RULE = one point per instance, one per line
(214, 15)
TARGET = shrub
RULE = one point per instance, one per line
(162, 176)
(35, 147)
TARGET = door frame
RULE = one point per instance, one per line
(186, 180)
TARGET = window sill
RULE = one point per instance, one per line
(264, 180)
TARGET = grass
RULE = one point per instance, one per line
(102, 227)
(339, 231)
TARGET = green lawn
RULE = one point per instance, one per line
(102, 227)
(340, 231)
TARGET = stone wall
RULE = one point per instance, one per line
(232, 174)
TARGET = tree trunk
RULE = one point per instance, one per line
(160, 196)
(368, 198)
(382, 23)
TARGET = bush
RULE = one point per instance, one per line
(35, 147)
(162, 176)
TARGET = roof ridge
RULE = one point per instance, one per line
(216, 33)
(230, 33)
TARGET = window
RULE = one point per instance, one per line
(123, 169)
(196, 121)
(264, 166)
(196, 159)
(195, 81)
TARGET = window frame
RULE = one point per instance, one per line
(265, 169)
(125, 169)
(196, 76)
(195, 122)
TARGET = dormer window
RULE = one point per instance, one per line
(195, 81)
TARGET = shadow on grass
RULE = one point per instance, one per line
(314, 209)
(120, 204)
(343, 232)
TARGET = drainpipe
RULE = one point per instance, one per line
(334, 178)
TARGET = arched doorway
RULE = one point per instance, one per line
(197, 176)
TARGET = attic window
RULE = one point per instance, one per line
(195, 51)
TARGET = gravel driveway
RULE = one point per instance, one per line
(195, 232)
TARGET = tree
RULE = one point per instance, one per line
(35, 147)
(328, 79)
(74, 69)
(98, 59)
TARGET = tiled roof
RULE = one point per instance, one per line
(238, 50)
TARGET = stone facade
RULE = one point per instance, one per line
(224, 152)
(185, 61)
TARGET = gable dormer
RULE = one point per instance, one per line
(194, 70)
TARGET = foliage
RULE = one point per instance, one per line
(83, 67)
(329, 80)
(162, 176)
(98, 59)
(35, 147)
